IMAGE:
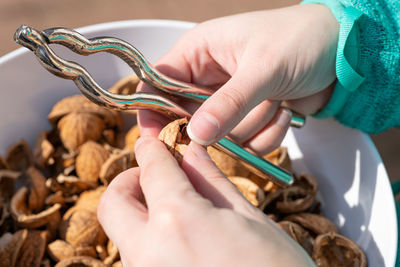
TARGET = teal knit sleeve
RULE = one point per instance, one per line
(367, 92)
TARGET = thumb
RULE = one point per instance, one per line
(219, 114)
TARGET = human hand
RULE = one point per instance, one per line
(255, 60)
(192, 217)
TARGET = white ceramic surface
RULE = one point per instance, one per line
(354, 186)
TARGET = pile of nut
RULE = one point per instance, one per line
(49, 194)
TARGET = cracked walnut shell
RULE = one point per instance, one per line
(23, 216)
(332, 249)
(175, 137)
(251, 191)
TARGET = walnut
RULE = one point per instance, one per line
(60, 250)
(299, 234)
(32, 250)
(43, 150)
(80, 226)
(10, 246)
(89, 161)
(332, 249)
(81, 261)
(115, 164)
(315, 223)
(175, 138)
(131, 137)
(21, 213)
(90, 199)
(77, 128)
(109, 136)
(19, 156)
(125, 86)
(80, 104)
(251, 191)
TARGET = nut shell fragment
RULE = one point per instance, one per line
(297, 198)
(37, 190)
(60, 250)
(332, 249)
(175, 137)
(251, 191)
(22, 215)
(89, 161)
(78, 128)
(280, 157)
(116, 164)
(228, 165)
(315, 223)
(113, 253)
(80, 261)
(299, 234)
(19, 156)
(10, 245)
(43, 150)
(125, 86)
(32, 249)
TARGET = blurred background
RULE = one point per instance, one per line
(42, 14)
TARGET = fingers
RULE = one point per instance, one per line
(130, 216)
(272, 135)
(211, 183)
(255, 121)
(160, 175)
(219, 114)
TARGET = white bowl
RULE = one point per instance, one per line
(353, 183)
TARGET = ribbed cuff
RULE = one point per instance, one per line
(348, 80)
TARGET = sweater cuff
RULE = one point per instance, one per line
(348, 80)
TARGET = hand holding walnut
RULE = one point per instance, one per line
(254, 61)
(188, 219)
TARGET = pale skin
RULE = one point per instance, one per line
(254, 61)
(194, 216)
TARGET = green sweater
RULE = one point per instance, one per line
(367, 93)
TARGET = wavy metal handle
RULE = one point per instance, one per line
(39, 42)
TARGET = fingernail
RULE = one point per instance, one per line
(204, 129)
(284, 117)
(199, 151)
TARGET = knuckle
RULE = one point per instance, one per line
(167, 217)
(235, 99)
